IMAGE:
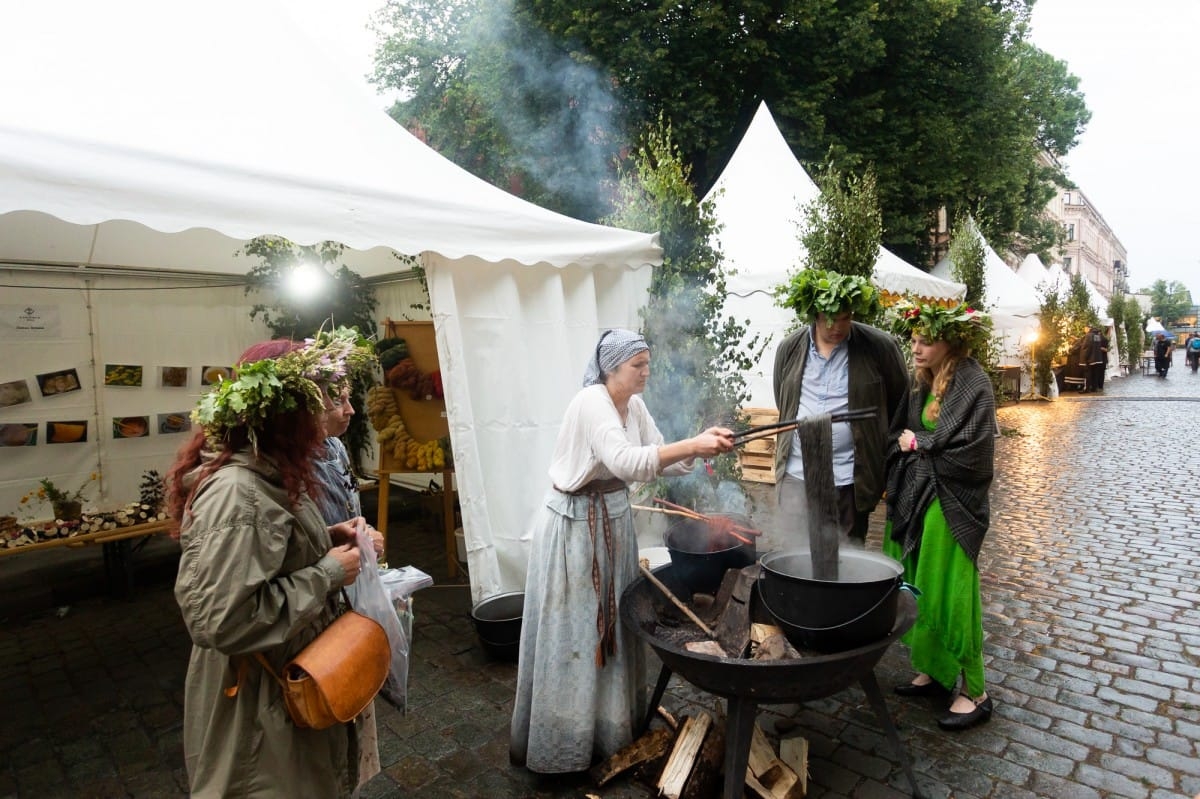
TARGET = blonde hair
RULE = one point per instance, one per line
(939, 381)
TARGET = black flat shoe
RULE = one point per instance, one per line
(963, 721)
(931, 688)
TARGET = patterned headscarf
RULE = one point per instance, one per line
(614, 348)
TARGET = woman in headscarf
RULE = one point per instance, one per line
(260, 572)
(939, 472)
(581, 677)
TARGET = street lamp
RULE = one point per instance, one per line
(1031, 337)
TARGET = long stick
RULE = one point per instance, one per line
(664, 510)
(644, 564)
(681, 509)
(762, 431)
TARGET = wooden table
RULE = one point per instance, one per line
(118, 548)
(381, 522)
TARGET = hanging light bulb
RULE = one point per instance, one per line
(305, 280)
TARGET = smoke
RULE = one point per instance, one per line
(559, 115)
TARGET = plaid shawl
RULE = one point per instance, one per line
(952, 462)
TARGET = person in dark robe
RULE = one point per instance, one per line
(1095, 355)
(1162, 354)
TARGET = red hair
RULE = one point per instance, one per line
(290, 440)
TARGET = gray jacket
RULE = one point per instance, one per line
(878, 380)
(254, 576)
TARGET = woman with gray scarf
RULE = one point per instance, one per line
(939, 471)
(581, 677)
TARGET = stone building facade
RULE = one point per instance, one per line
(1090, 247)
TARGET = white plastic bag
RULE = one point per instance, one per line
(371, 599)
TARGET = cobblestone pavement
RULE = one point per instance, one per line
(1091, 584)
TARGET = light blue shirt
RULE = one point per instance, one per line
(825, 388)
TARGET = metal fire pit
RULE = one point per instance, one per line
(746, 683)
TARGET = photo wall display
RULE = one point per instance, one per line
(19, 434)
(118, 376)
(122, 374)
(60, 382)
(74, 431)
(178, 422)
(14, 392)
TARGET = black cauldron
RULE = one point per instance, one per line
(498, 624)
(826, 615)
(702, 551)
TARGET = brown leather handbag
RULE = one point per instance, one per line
(337, 675)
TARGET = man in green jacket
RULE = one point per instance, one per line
(834, 365)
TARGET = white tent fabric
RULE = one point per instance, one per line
(1013, 303)
(758, 201)
(143, 134)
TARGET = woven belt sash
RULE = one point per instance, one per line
(606, 596)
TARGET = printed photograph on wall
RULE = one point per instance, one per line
(18, 434)
(178, 422)
(131, 426)
(14, 392)
(74, 431)
(213, 375)
(60, 382)
(122, 374)
(173, 376)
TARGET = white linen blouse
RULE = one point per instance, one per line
(593, 444)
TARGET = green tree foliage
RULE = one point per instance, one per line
(843, 224)
(1051, 343)
(489, 90)
(1080, 315)
(347, 301)
(968, 261)
(1135, 332)
(1169, 301)
(698, 357)
(946, 98)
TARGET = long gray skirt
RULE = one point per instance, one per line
(570, 712)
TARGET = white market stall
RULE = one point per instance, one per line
(142, 143)
(758, 201)
(1012, 302)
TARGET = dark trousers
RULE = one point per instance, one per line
(1096, 377)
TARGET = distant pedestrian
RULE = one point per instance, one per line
(940, 462)
(1095, 352)
(1162, 354)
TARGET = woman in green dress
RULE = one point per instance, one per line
(940, 456)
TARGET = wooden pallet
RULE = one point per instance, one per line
(757, 458)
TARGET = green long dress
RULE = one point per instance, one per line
(947, 638)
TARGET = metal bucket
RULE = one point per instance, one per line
(701, 553)
(498, 624)
(830, 615)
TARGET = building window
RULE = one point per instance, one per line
(1067, 264)
(1071, 232)
(1067, 198)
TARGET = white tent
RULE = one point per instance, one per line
(1055, 279)
(758, 201)
(1013, 303)
(148, 135)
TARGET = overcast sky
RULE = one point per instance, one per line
(1139, 159)
(1139, 69)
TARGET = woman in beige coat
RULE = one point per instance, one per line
(260, 572)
